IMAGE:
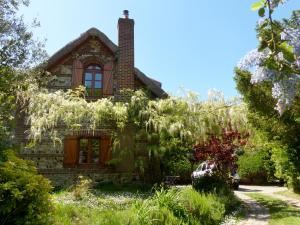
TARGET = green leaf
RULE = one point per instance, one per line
(285, 46)
(288, 51)
(257, 5)
(261, 12)
(297, 120)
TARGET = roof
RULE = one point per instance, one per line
(153, 85)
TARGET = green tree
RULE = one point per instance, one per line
(18, 51)
(281, 132)
(24, 195)
(268, 79)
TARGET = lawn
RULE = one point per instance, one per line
(132, 205)
(289, 194)
(281, 213)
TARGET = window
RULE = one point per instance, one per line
(89, 151)
(82, 151)
(93, 81)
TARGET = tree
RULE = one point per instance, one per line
(280, 132)
(277, 58)
(269, 76)
(24, 195)
(18, 51)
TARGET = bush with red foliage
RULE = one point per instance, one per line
(221, 151)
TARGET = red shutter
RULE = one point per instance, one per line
(70, 151)
(105, 153)
(77, 73)
(108, 79)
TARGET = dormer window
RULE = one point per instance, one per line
(93, 76)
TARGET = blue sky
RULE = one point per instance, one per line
(193, 44)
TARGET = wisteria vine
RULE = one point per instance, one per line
(277, 59)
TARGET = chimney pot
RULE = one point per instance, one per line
(126, 14)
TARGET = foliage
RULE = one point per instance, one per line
(170, 199)
(279, 133)
(211, 184)
(164, 124)
(221, 152)
(173, 206)
(171, 117)
(176, 161)
(109, 187)
(24, 195)
(256, 162)
(281, 212)
(253, 166)
(277, 58)
(75, 214)
(47, 110)
(81, 188)
(207, 208)
(17, 51)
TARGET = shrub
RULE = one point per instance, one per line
(207, 208)
(24, 195)
(211, 184)
(253, 166)
(150, 213)
(170, 199)
(176, 163)
(80, 190)
(218, 187)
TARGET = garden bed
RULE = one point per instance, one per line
(181, 205)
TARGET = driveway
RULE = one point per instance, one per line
(256, 213)
(260, 189)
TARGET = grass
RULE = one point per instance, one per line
(289, 194)
(281, 213)
(131, 188)
(131, 205)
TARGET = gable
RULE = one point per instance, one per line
(91, 34)
(91, 46)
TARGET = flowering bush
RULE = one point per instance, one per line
(277, 59)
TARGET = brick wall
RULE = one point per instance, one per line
(125, 71)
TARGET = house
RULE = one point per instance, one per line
(104, 68)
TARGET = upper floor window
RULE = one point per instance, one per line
(93, 80)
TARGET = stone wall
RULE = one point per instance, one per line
(67, 177)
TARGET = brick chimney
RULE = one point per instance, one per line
(126, 52)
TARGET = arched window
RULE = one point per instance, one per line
(93, 80)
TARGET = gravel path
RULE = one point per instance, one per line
(270, 190)
(256, 213)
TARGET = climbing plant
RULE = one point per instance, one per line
(277, 57)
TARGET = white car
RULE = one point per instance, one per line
(205, 168)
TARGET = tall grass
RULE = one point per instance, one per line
(205, 208)
(170, 207)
